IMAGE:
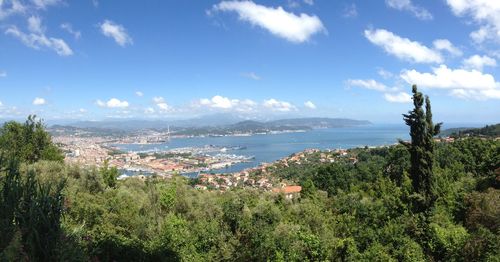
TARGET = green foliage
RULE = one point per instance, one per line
(28, 142)
(30, 218)
(421, 148)
(487, 131)
(109, 175)
(348, 211)
(308, 189)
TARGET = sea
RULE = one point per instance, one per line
(266, 148)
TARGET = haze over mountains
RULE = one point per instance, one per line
(220, 122)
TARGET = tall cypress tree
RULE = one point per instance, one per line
(421, 148)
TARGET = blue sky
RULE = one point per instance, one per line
(95, 59)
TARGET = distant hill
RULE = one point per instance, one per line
(318, 122)
(183, 127)
(488, 131)
(214, 120)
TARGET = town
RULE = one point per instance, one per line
(204, 162)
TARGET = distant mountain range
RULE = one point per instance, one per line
(489, 130)
(213, 125)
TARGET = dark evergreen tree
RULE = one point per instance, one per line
(421, 148)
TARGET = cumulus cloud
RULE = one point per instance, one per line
(219, 102)
(403, 48)
(224, 103)
(162, 104)
(38, 101)
(390, 94)
(117, 32)
(37, 39)
(310, 105)
(158, 99)
(368, 84)
(139, 93)
(446, 45)
(292, 27)
(407, 5)
(113, 103)
(400, 97)
(461, 82)
(280, 106)
(485, 13)
(478, 62)
(446, 78)
(69, 28)
(475, 94)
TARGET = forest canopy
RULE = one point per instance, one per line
(368, 210)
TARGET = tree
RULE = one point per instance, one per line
(308, 189)
(28, 142)
(421, 148)
(109, 175)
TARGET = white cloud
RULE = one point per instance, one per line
(390, 94)
(37, 39)
(486, 13)
(310, 105)
(149, 110)
(220, 102)
(462, 82)
(407, 5)
(82, 110)
(475, 94)
(368, 84)
(445, 44)
(251, 75)
(350, 11)
(9, 8)
(403, 48)
(45, 3)
(69, 28)
(3, 74)
(35, 25)
(478, 62)
(309, 2)
(117, 32)
(158, 99)
(139, 93)
(225, 103)
(384, 73)
(113, 103)
(280, 106)
(1, 104)
(162, 104)
(294, 28)
(38, 101)
(446, 78)
(400, 97)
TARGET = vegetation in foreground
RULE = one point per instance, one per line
(412, 202)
